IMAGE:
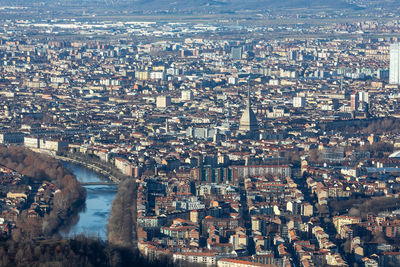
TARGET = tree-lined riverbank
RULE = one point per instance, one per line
(121, 229)
(39, 168)
(93, 219)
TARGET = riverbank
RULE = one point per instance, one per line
(93, 219)
(122, 221)
(50, 250)
(92, 163)
(122, 226)
(90, 166)
(61, 194)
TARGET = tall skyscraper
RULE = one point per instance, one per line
(394, 75)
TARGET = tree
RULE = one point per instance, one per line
(39, 168)
(121, 228)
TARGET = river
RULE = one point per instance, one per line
(93, 219)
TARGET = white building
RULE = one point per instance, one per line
(157, 75)
(206, 258)
(299, 102)
(394, 73)
(232, 80)
(187, 95)
(363, 97)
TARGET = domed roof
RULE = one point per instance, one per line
(248, 121)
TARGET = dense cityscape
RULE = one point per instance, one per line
(235, 142)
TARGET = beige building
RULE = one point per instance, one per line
(163, 101)
(16, 195)
(307, 209)
(52, 145)
(31, 142)
(340, 221)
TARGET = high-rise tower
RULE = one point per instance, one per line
(394, 74)
(236, 53)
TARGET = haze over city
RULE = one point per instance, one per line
(199, 133)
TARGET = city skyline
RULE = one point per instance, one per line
(200, 133)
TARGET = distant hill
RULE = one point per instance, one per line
(203, 6)
(191, 5)
(375, 3)
(234, 5)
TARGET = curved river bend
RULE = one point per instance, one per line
(93, 219)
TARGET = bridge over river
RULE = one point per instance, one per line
(100, 193)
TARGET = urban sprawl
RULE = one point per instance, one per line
(247, 150)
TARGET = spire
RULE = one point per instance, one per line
(341, 84)
(248, 98)
(248, 121)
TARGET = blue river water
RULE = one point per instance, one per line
(93, 219)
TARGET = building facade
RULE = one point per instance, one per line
(394, 73)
